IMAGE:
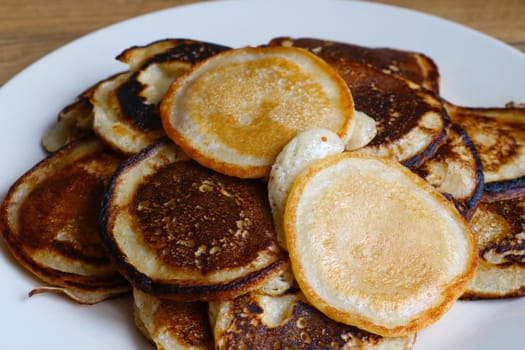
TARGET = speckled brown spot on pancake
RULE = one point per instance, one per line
(194, 217)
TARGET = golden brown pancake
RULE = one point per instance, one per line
(499, 137)
(456, 171)
(413, 66)
(375, 246)
(498, 226)
(410, 120)
(48, 220)
(236, 110)
(184, 232)
(172, 325)
(254, 321)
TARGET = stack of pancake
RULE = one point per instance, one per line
(301, 194)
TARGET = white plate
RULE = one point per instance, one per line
(476, 70)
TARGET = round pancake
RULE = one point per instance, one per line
(375, 246)
(236, 110)
(258, 322)
(184, 232)
(48, 220)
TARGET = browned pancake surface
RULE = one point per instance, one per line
(498, 225)
(456, 171)
(253, 321)
(184, 232)
(193, 217)
(413, 66)
(50, 222)
(400, 108)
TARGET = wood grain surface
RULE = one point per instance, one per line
(29, 29)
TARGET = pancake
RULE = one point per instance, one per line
(60, 243)
(257, 322)
(410, 120)
(456, 171)
(235, 111)
(414, 66)
(499, 137)
(498, 225)
(74, 121)
(172, 325)
(126, 113)
(375, 246)
(111, 125)
(303, 149)
(181, 231)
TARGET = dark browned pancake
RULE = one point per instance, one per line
(411, 122)
(499, 228)
(456, 171)
(48, 220)
(184, 232)
(411, 65)
(258, 322)
(172, 325)
(499, 137)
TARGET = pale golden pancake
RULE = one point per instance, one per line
(498, 226)
(375, 246)
(184, 232)
(254, 321)
(172, 325)
(236, 110)
(48, 220)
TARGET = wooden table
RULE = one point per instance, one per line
(31, 28)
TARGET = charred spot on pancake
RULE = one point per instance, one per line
(193, 217)
(504, 189)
